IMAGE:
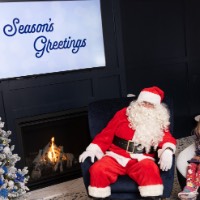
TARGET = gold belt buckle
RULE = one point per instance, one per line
(129, 141)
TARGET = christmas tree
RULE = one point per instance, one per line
(12, 180)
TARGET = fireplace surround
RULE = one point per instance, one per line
(70, 132)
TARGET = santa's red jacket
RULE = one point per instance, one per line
(119, 126)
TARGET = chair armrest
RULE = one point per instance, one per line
(168, 180)
(85, 171)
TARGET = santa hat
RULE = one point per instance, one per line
(152, 95)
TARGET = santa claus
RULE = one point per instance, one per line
(128, 145)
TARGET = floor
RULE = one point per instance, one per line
(71, 190)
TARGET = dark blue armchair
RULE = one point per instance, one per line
(99, 113)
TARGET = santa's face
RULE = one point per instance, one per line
(147, 104)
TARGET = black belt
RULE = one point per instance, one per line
(129, 146)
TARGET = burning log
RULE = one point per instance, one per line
(51, 156)
(69, 159)
(38, 157)
(59, 160)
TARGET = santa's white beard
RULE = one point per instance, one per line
(148, 123)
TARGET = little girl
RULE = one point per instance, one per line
(193, 169)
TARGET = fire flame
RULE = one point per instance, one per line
(53, 156)
(52, 153)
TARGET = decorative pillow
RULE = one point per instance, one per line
(185, 151)
(184, 142)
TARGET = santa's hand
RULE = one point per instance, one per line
(166, 160)
(93, 150)
(86, 154)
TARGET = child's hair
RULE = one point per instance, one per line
(197, 130)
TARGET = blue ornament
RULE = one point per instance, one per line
(4, 193)
(1, 147)
(20, 178)
(5, 169)
(1, 182)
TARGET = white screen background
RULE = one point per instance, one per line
(75, 19)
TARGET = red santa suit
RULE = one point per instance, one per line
(117, 161)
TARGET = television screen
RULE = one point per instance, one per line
(42, 37)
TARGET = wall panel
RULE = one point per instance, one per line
(155, 39)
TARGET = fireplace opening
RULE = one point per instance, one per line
(51, 145)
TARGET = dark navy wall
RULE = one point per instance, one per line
(162, 47)
(147, 42)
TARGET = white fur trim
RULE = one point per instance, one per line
(120, 159)
(183, 157)
(149, 97)
(151, 190)
(140, 157)
(167, 144)
(99, 192)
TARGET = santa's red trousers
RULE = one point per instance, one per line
(106, 171)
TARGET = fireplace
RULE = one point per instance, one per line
(51, 144)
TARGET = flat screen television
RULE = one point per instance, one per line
(40, 37)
